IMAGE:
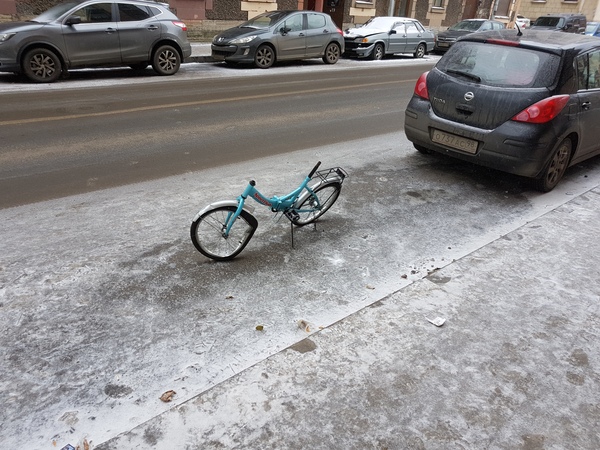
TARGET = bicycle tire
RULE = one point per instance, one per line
(327, 194)
(207, 233)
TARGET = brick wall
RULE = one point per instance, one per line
(7, 7)
(534, 9)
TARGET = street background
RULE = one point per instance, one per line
(106, 305)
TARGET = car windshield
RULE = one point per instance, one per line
(549, 22)
(380, 23)
(264, 20)
(467, 25)
(55, 12)
(591, 28)
(500, 65)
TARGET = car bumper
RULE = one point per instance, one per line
(442, 46)
(353, 50)
(9, 61)
(9, 66)
(514, 147)
(186, 50)
(232, 53)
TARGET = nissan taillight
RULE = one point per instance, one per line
(421, 87)
(543, 111)
(180, 24)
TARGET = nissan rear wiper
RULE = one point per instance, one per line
(464, 74)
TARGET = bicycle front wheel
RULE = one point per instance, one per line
(317, 204)
(208, 233)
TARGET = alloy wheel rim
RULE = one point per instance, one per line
(42, 66)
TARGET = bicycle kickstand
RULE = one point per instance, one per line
(292, 231)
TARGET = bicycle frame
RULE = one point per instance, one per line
(276, 203)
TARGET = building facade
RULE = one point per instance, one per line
(215, 15)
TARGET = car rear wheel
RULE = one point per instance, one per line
(556, 168)
(332, 53)
(378, 52)
(42, 65)
(265, 57)
(420, 51)
(166, 60)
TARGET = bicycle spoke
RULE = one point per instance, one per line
(208, 233)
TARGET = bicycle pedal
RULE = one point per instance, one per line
(292, 215)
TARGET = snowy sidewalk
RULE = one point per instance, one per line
(515, 365)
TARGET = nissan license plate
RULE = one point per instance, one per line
(457, 142)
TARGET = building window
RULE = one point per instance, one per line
(438, 3)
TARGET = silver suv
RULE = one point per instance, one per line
(94, 33)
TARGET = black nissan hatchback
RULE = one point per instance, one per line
(524, 103)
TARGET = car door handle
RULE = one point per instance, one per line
(586, 105)
(110, 31)
(152, 27)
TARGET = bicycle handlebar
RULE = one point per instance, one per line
(312, 172)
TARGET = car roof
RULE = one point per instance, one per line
(538, 39)
(291, 11)
(561, 15)
(406, 19)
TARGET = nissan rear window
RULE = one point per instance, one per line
(500, 65)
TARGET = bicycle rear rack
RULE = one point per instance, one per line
(326, 174)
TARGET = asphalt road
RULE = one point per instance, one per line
(84, 137)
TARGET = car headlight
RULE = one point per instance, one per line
(243, 40)
(362, 40)
(6, 36)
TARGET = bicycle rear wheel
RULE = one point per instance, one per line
(317, 204)
(208, 233)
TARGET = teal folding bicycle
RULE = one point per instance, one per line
(222, 229)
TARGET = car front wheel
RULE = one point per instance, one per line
(265, 57)
(378, 52)
(332, 54)
(166, 60)
(42, 65)
(556, 168)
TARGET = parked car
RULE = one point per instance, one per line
(445, 39)
(94, 33)
(570, 23)
(278, 36)
(593, 29)
(382, 36)
(523, 22)
(525, 104)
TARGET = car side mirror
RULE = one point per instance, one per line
(393, 31)
(73, 20)
(284, 30)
